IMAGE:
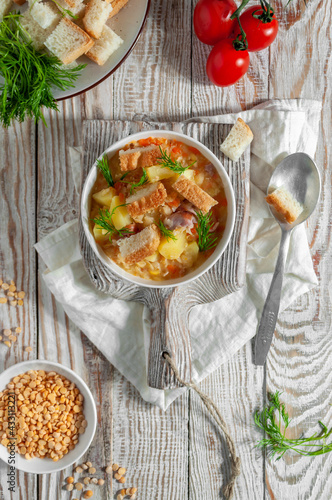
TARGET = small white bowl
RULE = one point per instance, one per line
(46, 465)
(86, 204)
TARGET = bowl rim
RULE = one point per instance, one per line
(229, 191)
(28, 365)
(103, 78)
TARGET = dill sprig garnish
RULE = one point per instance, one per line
(104, 221)
(276, 442)
(64, 11)
(206, 238)
(166, 232)
(29, 76)
(105, 170)
(143, 180)
(167, 162)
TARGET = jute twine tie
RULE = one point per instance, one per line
(228, 489)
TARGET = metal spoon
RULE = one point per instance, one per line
(299, 175)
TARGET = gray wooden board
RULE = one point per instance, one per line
(170, 307)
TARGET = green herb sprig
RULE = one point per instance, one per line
(29, 76)
(166, 232)
(105, 222)
(166, 161)
(276, 443)
(64, 11)
(143, 180)
(206, 238)
(105, 170)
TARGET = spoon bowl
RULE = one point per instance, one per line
(298, 174)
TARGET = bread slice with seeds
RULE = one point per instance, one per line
(237, 140)
(68, 41)
(193, 193)
(141, 245)
(146, 199)
(103, 48)
(96, 15)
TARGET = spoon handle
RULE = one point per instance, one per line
(271, 307)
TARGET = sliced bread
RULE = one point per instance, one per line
(193, 193)
(146, 199)
(285, 204)
(117, 6)
(95, 17)
(103, 48)
(141, 245)
(68, 41)
(45, 14)
(130, 159)
(4, 7)
(37, 34)
(237, 140)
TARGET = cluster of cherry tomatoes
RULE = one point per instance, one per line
(233, 34)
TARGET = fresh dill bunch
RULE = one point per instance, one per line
(166, 232)
(105, 170)
(206, 238)
(143, 180)
(29, 76)
(166, 161)
(104, 221)
(276, 444)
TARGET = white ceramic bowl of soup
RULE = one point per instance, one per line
(47, 465)
(222, 244)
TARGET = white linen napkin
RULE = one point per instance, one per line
(121, 330)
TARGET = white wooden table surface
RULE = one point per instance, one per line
(178, 454)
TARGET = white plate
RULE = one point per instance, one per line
(46, 465)
(128, 24)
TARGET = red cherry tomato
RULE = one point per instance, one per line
(225, 65)
(259, 34)
(212, 21)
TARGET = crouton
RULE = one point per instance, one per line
(284, 203)
(73, 4)
(141, 245)
(138, 157)
(237, 140)
(19, 2)
(5, 6)
(95, 17)
(103, 48)
(117, 6)
(146, 199)
(45, 14)
(193, 193)
(37, 34)
(68, 41)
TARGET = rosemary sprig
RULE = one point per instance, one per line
(105, 170)
(166, 161)
(206, 238)
(166, 232)
(29, 76)
(276, 443)
(143, 180)
(105, 222)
